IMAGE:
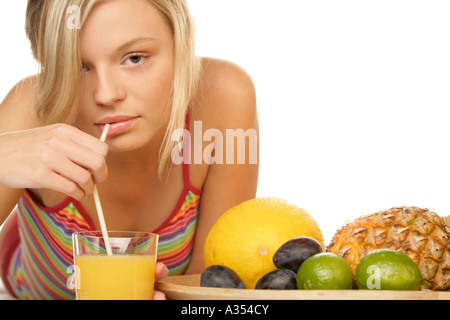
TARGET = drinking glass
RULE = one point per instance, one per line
(127, 274)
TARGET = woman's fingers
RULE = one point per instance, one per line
(59, 183)
(80, 182)
(84, 150)
(57, 157)
(158, 295)
(161, 272)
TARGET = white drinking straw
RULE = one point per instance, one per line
(98, 205)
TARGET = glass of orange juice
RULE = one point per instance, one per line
(127, 274)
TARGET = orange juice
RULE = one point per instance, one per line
(117, 277)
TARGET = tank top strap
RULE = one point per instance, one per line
(187, 156)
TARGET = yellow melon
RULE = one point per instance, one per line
(246, 236)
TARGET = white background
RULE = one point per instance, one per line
(352, 96)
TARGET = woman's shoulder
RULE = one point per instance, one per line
(17, 109)
(225, 77)
(24, 90)
(226, 91)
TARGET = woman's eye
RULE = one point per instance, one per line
(84, 68)
(135, 59)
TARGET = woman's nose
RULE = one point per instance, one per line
(109, 88)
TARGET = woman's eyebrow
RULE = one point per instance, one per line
(140, 39)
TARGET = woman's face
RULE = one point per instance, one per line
(128, 64)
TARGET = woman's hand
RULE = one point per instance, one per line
(57, 157)
(160, 273)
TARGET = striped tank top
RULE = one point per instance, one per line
(41, 264)
(41, 259)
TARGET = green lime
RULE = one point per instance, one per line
(325, 271)
(386, 269)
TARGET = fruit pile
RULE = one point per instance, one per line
(417, 232)
(268, 243)
(246, 237)
(287, 259)
(301, 264)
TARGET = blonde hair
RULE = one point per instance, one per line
(56, 47)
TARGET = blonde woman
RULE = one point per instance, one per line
(130, 63)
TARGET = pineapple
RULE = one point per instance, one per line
(420, 233)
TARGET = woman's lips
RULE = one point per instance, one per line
(118, 124)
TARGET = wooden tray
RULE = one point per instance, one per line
(188, 288)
